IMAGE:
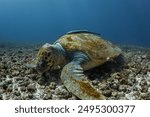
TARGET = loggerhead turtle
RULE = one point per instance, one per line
(75, 52)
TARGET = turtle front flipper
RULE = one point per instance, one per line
(76, 82)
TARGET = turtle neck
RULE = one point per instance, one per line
(61, 54)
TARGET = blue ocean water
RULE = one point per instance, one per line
(32, 21)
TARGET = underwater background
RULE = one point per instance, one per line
(124, 22)
(25, 25)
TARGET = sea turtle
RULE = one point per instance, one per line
(75, 52)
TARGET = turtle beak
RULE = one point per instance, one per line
(31, 64)
(41, 65)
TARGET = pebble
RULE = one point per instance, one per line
(52, 85)
(65, 93)
(31, 87)
(121, 94)
(17, 93)
(55, 97)
(114, 86)
(124, 81)
(116, 75)
(133, 80)
(8, 81)
(95, 82)
(143, 57)
(114, 93)
(15, 73)
(107, 93)
(24, 96)
(48, 96)
(52, 91)
(33, 76)
(143, 95)
(123, 88)
(143, 82)
(23, 88)
(57, 91)
(1, 91)
(144, 89)
(103, 86)
(30, 96)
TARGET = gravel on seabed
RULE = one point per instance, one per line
(125, 78)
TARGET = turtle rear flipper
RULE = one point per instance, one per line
(76, 82)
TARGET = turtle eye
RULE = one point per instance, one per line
(45, 58)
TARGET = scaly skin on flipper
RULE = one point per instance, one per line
(76, 82)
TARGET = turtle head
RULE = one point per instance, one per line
(45, 59)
